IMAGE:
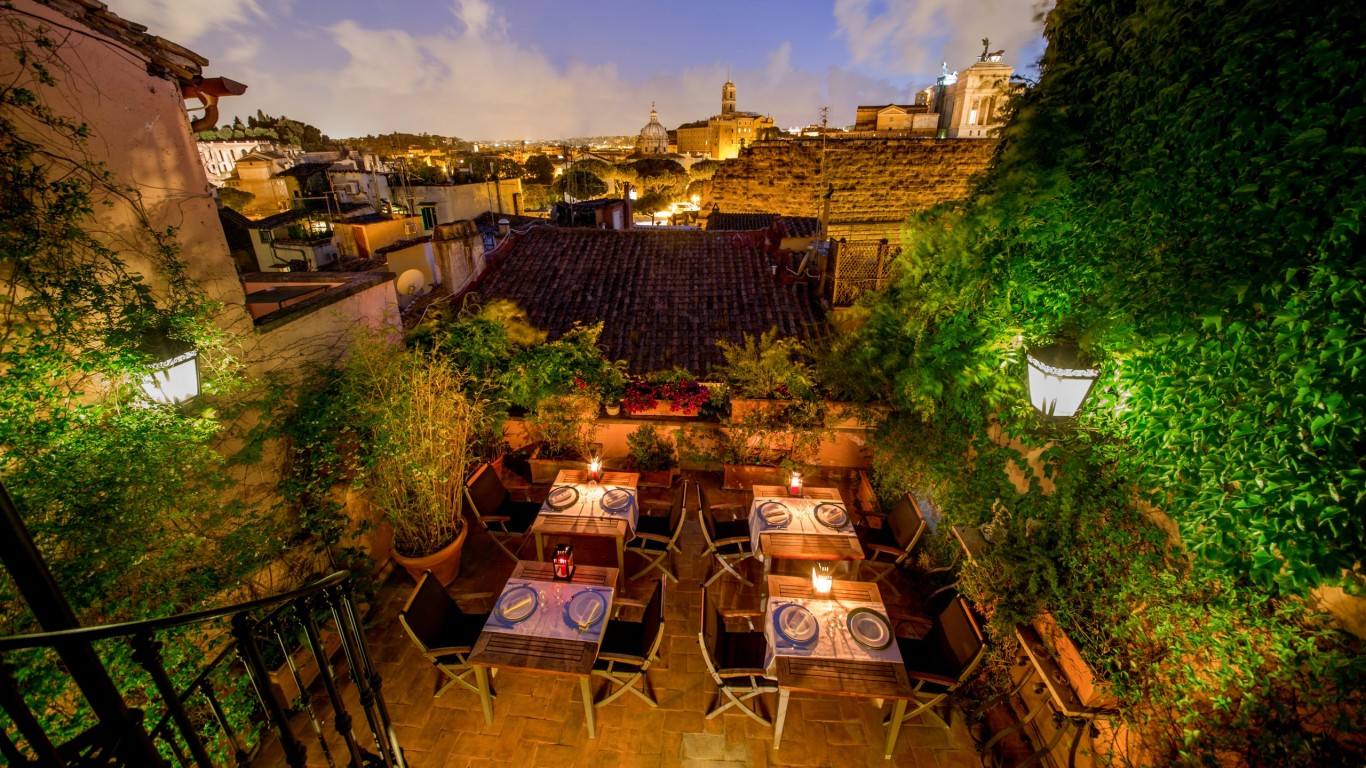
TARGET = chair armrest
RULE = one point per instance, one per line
(653, 537)
(623, 657)
(732, 540)
(742, 672)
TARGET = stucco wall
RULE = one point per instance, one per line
(463, 201)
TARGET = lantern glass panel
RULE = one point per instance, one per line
(1059, 381)
(174, 376)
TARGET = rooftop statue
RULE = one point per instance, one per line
(992, 55)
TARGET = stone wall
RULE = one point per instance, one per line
(877, 182)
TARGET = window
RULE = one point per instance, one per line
(428, 216)
(264, 235)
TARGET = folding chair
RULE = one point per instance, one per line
(939, 663)
(657, 537)
(443, 632)
(735, 661)
(629, 649)
(722, 535)
(488, 501)
(897, 537)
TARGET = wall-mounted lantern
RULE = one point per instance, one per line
(1060, 378)
(175, 371)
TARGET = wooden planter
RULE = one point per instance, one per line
(741, 477)
(544, 471)
(665, 408)
(659, 478)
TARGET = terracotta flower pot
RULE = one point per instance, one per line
(444, 563)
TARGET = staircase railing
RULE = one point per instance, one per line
(183, 732)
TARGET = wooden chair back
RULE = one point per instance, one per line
(704, 514)
(676, 511)
(960, 638)
(907, 522)
(426, 612)
(652, 623)
(485, 492)
(712, 625)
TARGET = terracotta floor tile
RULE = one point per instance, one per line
(539, 719)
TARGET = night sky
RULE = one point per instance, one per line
(533, 69)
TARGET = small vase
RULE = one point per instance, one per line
(614, 409)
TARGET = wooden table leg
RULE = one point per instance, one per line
(894, 727)
(586, 689)
(481, 677)
(540, 547)
(621, 557)
(781, 719)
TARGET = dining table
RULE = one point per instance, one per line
(851, 649)
(542, 625)
(812, 525)
(607, 507)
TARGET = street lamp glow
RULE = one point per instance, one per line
(174, 377)
(1059, 380)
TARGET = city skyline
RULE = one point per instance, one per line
(525, 69)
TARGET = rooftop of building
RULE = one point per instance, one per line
(402, 245)
(664, 298)
(304, 170)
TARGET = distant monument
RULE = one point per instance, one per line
(992, 56)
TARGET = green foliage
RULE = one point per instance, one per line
(703, 170)
(565, 426)
(1213, 267)
(236, 199)
(539, 169)
(769, 367)
(650, 451)
(579, 183)
(125, 500)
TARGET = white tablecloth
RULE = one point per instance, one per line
(837, 645)
(803, 520)
(548, 620)
(590, 505)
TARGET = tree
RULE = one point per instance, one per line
(581, 185)
(540, 169)
(234, 198)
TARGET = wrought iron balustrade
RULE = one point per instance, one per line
(192, 726)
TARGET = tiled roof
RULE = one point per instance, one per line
(800, 226)
(665, 298)
(739, 222)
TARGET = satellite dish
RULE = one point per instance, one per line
(412, 283)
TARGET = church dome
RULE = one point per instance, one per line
(654, 138)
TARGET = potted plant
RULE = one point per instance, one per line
(761, 445)
(422, 426)
(652, 455)
(767, 368)
(563, 428)
(612, 386)
(670, 393)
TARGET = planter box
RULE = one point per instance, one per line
(740, 407)
(1080, 676)
(847, 416)
(661, 478)
(543, 471)
(665, 408)
(741, 477)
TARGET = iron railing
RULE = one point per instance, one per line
(194, 725)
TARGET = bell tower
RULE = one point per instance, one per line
(728, 98)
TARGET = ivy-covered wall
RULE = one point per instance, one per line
(1183, 193)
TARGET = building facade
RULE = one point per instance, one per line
(654, 138)
(722, 136)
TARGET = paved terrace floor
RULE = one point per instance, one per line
(539, 721)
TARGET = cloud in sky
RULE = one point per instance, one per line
(911, 36)
(465, 70)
